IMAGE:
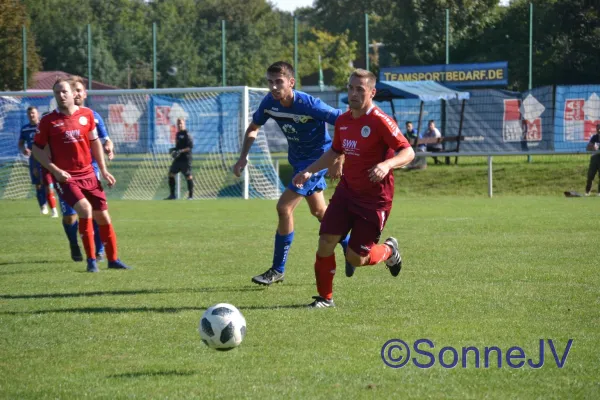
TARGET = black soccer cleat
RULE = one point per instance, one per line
(118, 264)
(171, 197)
(394, 262)
(321, 302)
(268, 278)
(76, 253)
(349, 267)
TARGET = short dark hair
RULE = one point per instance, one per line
(61, 80)
(431, 121)
(31, 108)
(363, 73)
(408, 122)
(76, 79)
(281, 67)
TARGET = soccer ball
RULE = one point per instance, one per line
(222, 327)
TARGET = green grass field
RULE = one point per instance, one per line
(503, 272)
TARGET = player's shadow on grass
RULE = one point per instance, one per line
(129, 292)
(120, 310)
(152, 374)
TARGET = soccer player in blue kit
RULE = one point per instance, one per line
(302, 119)
(70, 222)
(43, 190)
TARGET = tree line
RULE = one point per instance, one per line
(566, 37)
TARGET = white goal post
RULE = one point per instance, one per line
(142, 124)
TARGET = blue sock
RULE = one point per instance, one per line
(71, 231)
(41, 195)
(282, 247)
(97, 240)
(344, 242)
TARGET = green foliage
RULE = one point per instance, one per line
(13, 16)
(566, 38)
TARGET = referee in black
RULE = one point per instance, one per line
(182, 160)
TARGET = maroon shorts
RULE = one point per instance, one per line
(90, 188)
(343, 216)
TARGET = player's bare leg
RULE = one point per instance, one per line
(284, 236)
(109, 238)
(388, 252)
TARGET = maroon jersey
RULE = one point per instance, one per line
(366, 141)
(69, 139)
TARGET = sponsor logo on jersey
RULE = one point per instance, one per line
(343, 128)
(83, 121)
(288, 129)
(72, 136)
(57, 124)
(274, 108)
(365, 131)
(349, 144)
(300, 119)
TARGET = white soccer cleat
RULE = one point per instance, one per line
(44, 209)
(54, 213)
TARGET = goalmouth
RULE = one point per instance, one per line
(142, 125)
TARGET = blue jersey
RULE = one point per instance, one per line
(303, 124)
(27, 134)
(102, 135)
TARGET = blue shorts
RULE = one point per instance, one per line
(315, 184)
(67, 209)
(35, 171)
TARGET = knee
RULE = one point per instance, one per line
(327, 244)
(284, 211)
(318, 213)
(69, 219)
(354, 259)
(102, 217)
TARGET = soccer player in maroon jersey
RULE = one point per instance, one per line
(62, 145)
(373, 146)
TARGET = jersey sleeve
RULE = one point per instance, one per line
(391, 134)
(93, 132)
(190, 141)
(595, 139)
(260, 117)
(336, 145)
(41, 133)
(100, 127)
(322, 111)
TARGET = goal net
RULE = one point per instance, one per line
(143, 124)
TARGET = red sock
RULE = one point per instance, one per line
(324, 273)
(86, 230)
(51, 199)
(379, 253)
(109, 238)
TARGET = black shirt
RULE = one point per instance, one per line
(595, 138)
(183, 140)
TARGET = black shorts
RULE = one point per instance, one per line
(181, 165)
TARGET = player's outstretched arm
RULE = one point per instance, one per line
(325, 161)
(249, 137)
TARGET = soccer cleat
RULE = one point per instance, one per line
(100, 257)
(171, 198)
(321, 302)
(54, 213)
(394, 262)
(268, 278)
(44, 209)
(91, 265)
(587, 194)
(117, 264)
(76, 253)
(190, 198)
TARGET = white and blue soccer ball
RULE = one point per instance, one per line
(222, 327)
